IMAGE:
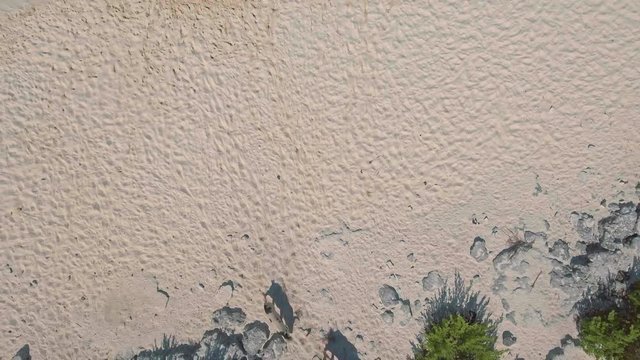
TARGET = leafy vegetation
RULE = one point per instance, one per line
(458, 326)
(614, 335)
(457, 339)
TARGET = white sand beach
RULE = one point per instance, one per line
(332, 146)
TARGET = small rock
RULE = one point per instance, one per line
(584, 225)
(622, 276)
(619, 225)
(478, 250)
(388, 296)
(560, 250)
(405, 307)
(508, 338)
(229, 318)
(555, 353)
(530, 237)
(219, 344)
(633, 242)
(275, 347)
(387, 317)
(22, 354)
(594, 248)
(512, 258)
(580, 260)
(411, 257)
(432, 281)
(254, 336)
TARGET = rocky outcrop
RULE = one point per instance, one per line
(231, 339)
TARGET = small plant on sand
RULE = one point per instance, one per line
(609, 321)
(608, 336)
(456, 338)
(458, 326)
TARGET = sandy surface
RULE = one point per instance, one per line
(178, 144)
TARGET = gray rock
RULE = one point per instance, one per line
(555, 353)
(217, 344)
(580, 260)
(478, 250)
(633, 243)
(560, 250)
(584, 225)
(254, 336)
(499, 284)
(229, 318)
(508, 338)
(388, 295)
(505, 305)
(512, 258)
(275, 347)
(432, 281)
(405, 307)
(22, 354)
(530, 237)
(387, 317)
(619, 225)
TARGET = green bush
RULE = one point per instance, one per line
(457, 339)
(616, 334)
(457, 326)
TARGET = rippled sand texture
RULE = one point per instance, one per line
(175, 145)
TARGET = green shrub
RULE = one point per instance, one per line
(607, 337)
(456, 339)
(457, 326)
(614, 335)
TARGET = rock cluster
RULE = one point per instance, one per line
(232, 338)
(392, 301)
(252, 342)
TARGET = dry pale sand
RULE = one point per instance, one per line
(175, 145)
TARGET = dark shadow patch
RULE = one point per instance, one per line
(281, 301)
(339, 346)
(169, 349)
